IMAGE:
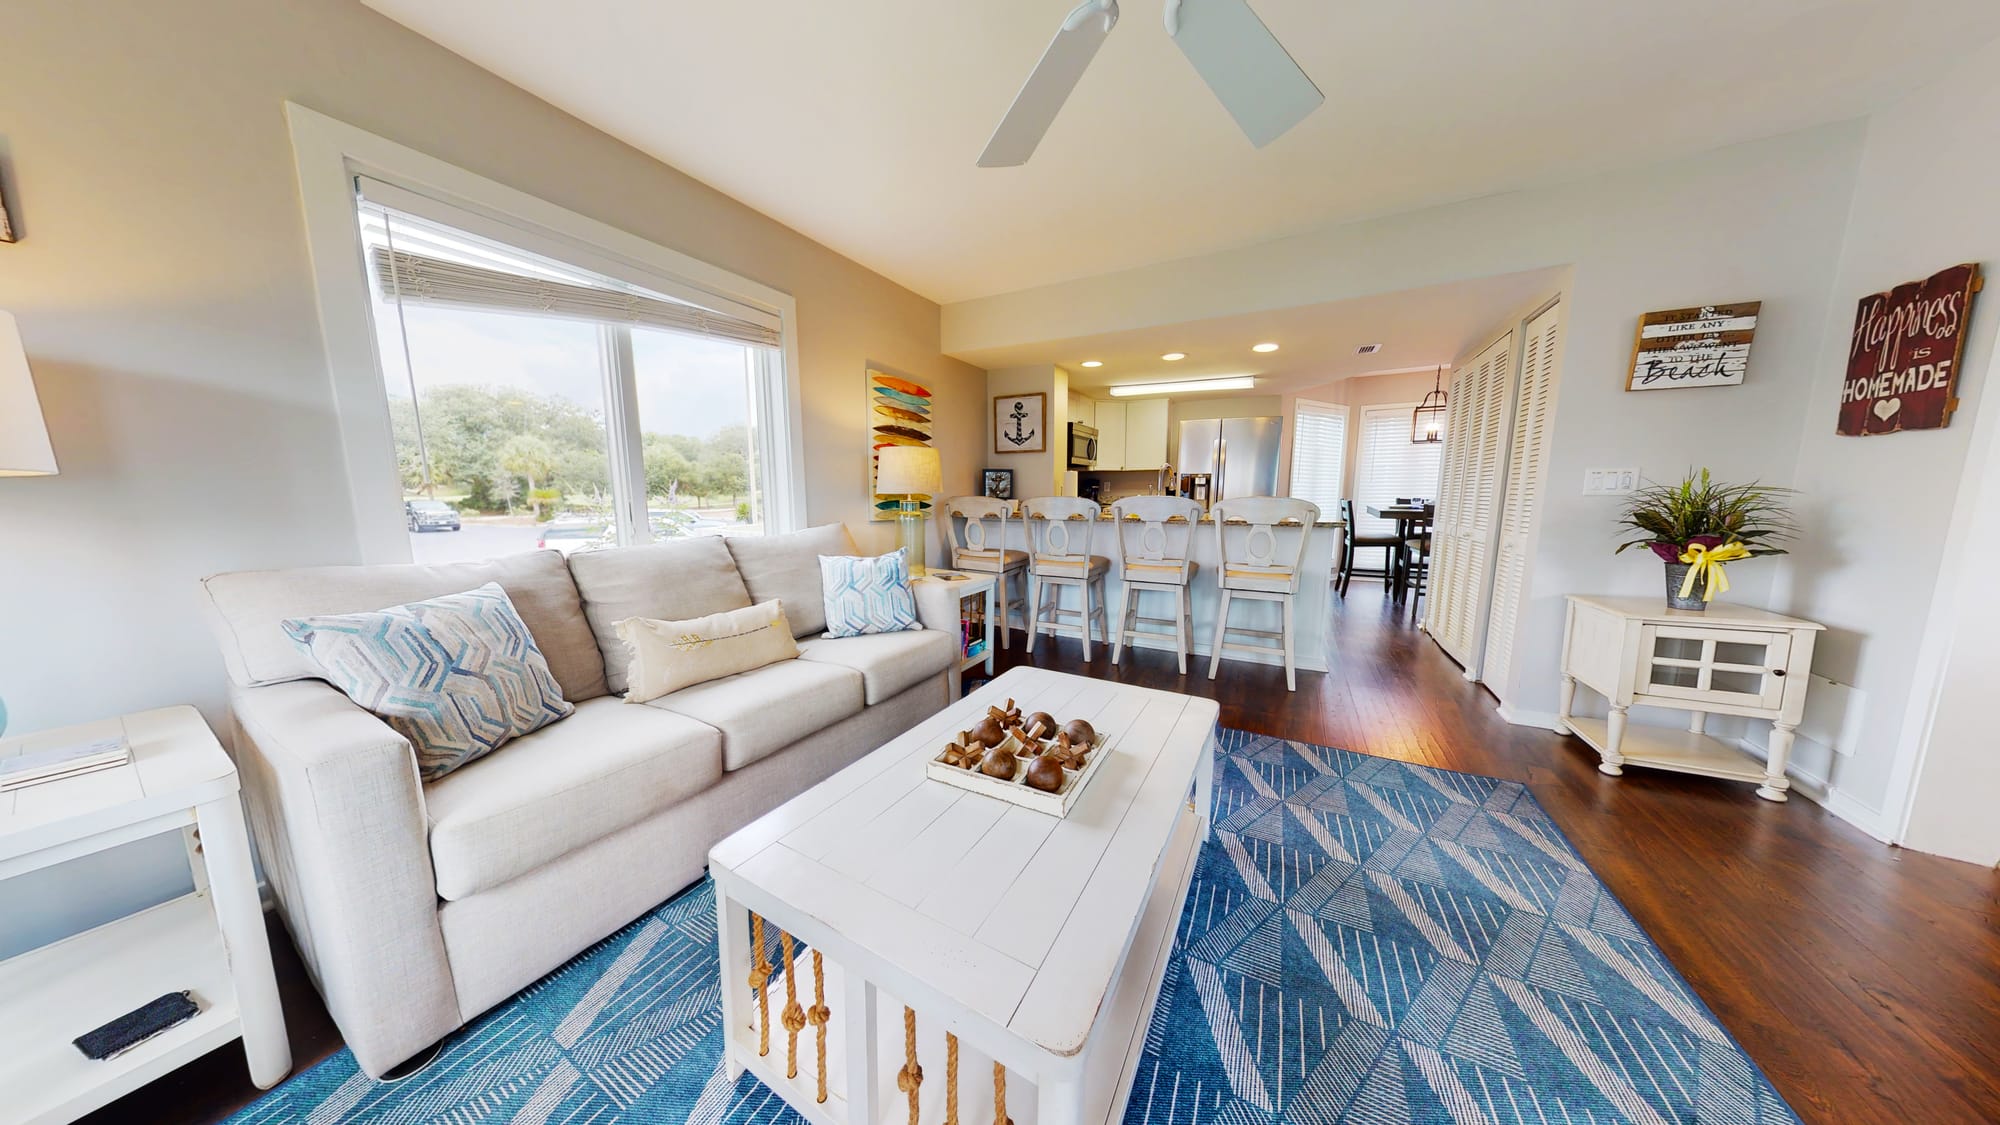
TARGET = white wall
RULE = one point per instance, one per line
(1879, 511)
(1759, 221)
(163, 291)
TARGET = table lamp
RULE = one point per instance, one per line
(912, 472)
(24, 439)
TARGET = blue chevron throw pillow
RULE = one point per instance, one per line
(458, 675)
(868, 595)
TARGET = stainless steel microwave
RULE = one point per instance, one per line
(1082, 446)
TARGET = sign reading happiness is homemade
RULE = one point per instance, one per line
(1902, 362)
(1704, 347)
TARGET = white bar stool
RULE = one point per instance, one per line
(1257, 570)
(1150, 565)
(1059, 530)
(980, 545)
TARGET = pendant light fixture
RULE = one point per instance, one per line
(1427, 424)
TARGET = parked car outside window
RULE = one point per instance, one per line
(430, 515)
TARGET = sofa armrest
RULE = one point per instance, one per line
(937, 608)
(338, 812)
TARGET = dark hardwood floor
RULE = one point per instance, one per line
(1864, 979)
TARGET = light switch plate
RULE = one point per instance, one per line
(1610, 482)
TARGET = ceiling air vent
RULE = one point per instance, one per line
(1368, 349)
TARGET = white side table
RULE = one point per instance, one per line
(1726, 660)
(978, 614)
(210, 942)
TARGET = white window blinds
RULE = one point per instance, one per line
(1391, 466)
(1319, 453)
(416, 277)
(419, 255)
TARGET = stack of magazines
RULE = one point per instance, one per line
(21, 770)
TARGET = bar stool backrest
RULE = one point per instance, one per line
(1141, 531)
(982, 538)
(1060, 527)
(1257, 554)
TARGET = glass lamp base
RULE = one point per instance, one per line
(910, 536)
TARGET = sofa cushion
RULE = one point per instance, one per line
(546, 794)
(668, 656)
(458, 676)
(889, 663)
(247, 610)
(865, 596)
(670, 581)
(763, 711)
(786, 567)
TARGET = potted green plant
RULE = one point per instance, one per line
(1699, 524)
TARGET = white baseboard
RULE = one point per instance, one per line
(1870, 820)
(1546, 720)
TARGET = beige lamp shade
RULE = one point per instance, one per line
(909, 470)
(24, 439)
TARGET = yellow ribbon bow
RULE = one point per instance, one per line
(1708, 561)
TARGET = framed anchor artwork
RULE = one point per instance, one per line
(1020, 423)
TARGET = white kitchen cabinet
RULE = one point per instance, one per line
(1725, 660)
(1145, 434)
(1111, 436)
(1082, 409)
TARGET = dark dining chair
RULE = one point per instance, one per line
(1350, 542)
(1416, 551)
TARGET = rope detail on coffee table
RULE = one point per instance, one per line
(911, 1076)
(1000, 1096)
(760, 975)
(795, 1016)
(818, 1015)
(950, 1079)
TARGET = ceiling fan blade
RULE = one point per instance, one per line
(1249, 70)
(1048, 87)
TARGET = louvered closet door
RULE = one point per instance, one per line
(1470, 514)
(1526, 465)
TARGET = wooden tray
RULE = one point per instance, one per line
(1056, 804)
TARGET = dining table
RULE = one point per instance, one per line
(1406, 517)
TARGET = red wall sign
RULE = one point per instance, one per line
(1902, 364)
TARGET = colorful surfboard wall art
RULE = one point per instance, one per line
(899, 413)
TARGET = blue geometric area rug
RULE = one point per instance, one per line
(1365, 942)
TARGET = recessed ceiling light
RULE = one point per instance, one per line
(1172, 356)
(1368, 349)
(1093, 363)
(1265, 348)
(1185, 386)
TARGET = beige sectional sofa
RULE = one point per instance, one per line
(417, 906)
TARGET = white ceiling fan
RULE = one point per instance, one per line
(1249, 70)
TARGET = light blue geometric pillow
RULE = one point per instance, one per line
(458, 675)
(868, 595)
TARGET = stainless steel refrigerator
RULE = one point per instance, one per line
(1240, 455)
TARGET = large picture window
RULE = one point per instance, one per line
(537, 402)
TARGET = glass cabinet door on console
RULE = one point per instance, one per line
(1714, 665)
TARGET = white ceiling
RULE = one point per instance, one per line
(1417, 328)
(858, 121)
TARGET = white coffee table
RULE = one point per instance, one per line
(1037, 942)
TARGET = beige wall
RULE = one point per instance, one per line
(1035, 474)
(163, 292)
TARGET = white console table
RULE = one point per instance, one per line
(210, 942)
(1727, 660)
